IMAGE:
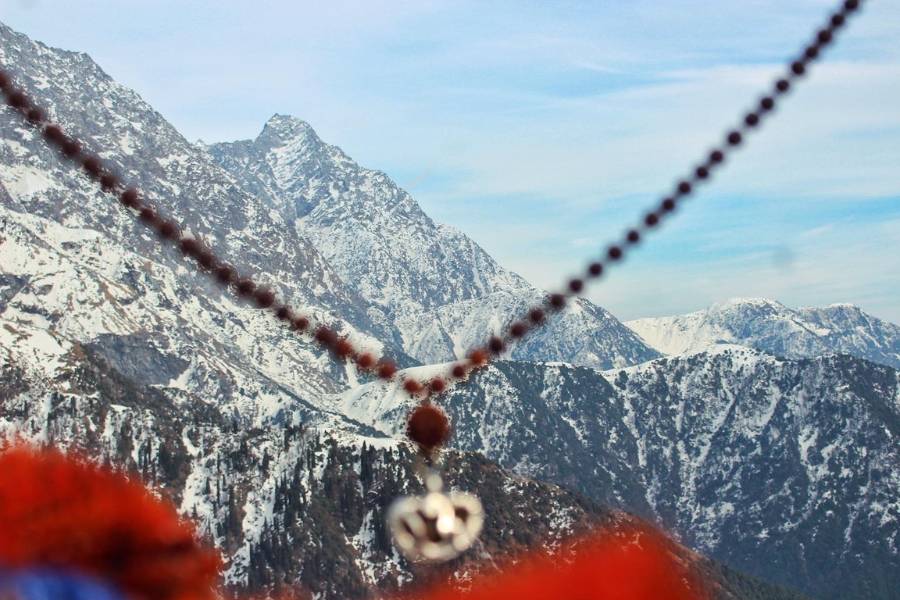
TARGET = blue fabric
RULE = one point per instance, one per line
(46, 584)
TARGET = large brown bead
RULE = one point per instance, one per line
(428, 426)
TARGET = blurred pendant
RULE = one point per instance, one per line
(438, 526)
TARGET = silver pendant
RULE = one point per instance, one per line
(438, 526)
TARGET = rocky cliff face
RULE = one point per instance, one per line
(439, 288)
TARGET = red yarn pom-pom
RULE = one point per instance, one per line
(58, 511)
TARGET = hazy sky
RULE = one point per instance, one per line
(542, 129)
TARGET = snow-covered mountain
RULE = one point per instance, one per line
(438, 287)
(301, 501)
(773, 327)
(110, 343)
(787, 469)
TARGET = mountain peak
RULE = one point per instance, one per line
(756, 302)
(287, 128)
(770, 326)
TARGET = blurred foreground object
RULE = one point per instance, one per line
(70, 530)
(438, 526)
(634, 564)
(44, 584)
(64, 521)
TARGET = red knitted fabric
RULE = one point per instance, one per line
(605, 567)
(64, 513)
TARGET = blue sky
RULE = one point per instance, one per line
(542, 129)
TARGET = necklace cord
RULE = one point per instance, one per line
(433, 428)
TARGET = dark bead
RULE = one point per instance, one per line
(633, 236)
(36, 116)
(479, 357)
(130, 198)
(71, 148)
(365, 361)
(245, 287)
(283, 313)
(300, 323)
(811, 52)
(536, 315)
(343, 348)
(767, 103)
(557, 301)
(798, 68)
(824, 37)
(734, 138)
(517, 330)
(751, 120)
(428, 426)
(459, 371)
(782, 85)
(496, 345)
(614, 253)
(205, 258)
(264, 297)
(838, 20)
(412, 387)
(92, 165)
(386, 370)
(701, 173)
(189, 246)
(52, 133)
(148, 216)
(684, 188)
(716, 156)
(225, 274)
(576, 285)
(168, 230)
(18, 100)
(109, 182)
(651, 220)
(5, 80)
(851, 5)
(595, 270)
(326, 336)
(437, 385)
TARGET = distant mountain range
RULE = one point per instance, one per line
(772, 327)
(767, 440)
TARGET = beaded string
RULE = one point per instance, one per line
(428, 425)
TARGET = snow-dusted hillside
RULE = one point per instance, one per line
(773, 327)
(301, 501)
(788, 469)
(442, 291)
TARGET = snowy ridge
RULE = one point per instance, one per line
(773, 327)
(442, 291)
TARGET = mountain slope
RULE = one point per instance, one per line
(180, 178)
(786, 469)
(301, 503)
(444, 293)
(774, 328)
